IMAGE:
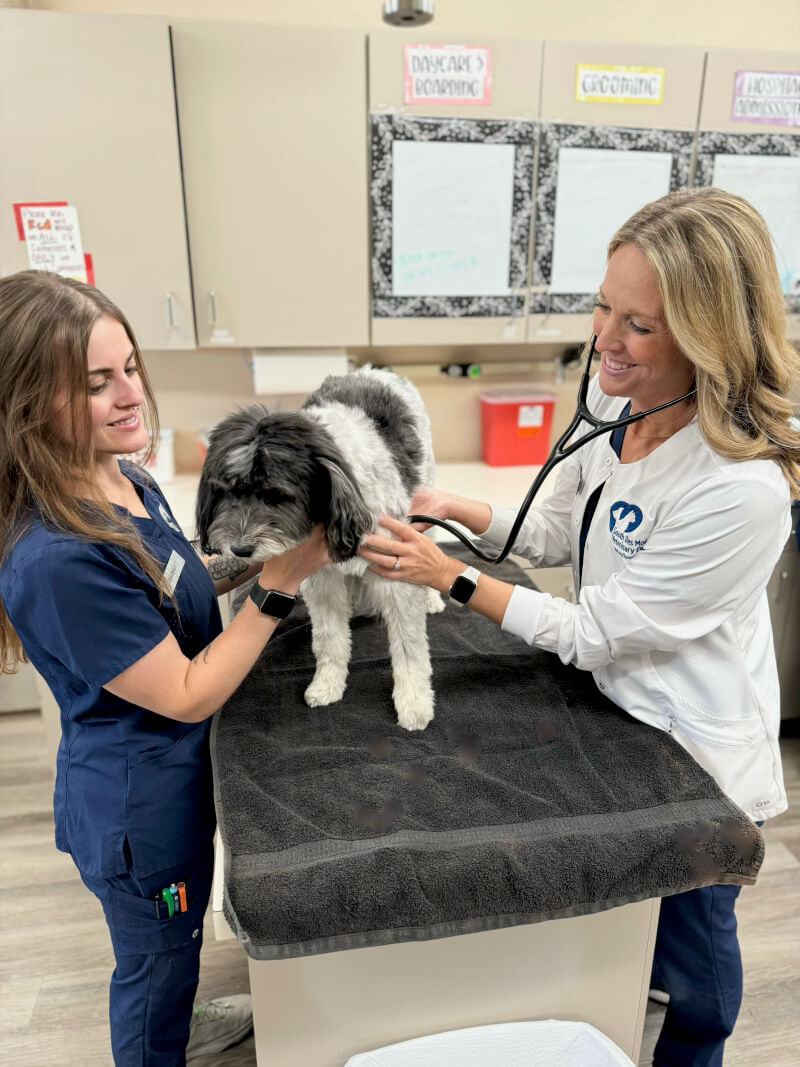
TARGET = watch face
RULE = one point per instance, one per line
(278, 604)
(462, 589)
(271, 602)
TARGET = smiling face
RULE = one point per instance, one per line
(640, 358)
(115, 393)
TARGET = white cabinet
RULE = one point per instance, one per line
(274, 143)
(87, 116)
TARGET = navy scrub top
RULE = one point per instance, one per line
(617, 437)
(133, 788)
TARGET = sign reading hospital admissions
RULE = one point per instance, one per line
(447, 74)
(602, 84)
(767, 96)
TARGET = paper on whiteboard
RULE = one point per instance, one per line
(451, 218)
(772, 185)
(598, 189)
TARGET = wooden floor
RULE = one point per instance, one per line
(55, 958)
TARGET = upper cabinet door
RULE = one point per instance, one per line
(87, 116)
(274, 141)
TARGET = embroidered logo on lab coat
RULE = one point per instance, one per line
(623, 519)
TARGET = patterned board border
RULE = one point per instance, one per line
(711, 143)
(385, 130)
(531, 138)
(552, 138)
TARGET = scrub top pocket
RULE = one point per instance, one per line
(170, 804)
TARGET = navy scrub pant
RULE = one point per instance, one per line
(157, 962)
(697, 961)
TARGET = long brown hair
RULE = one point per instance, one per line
(45, 323)
(713, 260)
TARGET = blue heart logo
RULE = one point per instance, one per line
(624, 517)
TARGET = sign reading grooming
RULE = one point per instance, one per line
(53, 240)
(609, 84)
(447, 74)
(767, 96)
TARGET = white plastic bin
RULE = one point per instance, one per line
(551, 1043)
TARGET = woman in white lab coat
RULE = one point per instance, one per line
(672, 526)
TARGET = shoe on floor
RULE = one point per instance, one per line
(218, 1024)
(660, 996)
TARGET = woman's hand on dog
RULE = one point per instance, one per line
(408, 556)
(287, 571)
(474, 514)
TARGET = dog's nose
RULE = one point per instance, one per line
(243, 550)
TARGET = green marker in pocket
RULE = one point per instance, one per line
(167, 896)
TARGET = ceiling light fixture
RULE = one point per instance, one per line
(407, 12)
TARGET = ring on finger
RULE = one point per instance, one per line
(396, 564)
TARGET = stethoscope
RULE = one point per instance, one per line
(560, 451)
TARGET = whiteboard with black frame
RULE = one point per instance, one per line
(451, 215)
(591, 179)
(765, 170)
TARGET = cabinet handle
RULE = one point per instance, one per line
(170, 311)
(212, 307)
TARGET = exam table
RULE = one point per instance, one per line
(503, 864)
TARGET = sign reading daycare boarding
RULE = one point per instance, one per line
(767, 96)
(447, 74)
(602, 84)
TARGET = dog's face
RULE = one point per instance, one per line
(267, 479)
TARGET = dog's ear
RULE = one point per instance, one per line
(348, 518)
(204, 511)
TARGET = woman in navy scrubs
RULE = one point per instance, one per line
(118, 613)
(672, 526)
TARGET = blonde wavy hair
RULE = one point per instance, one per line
(713, 260)
(45, 323)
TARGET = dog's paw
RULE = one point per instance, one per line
(433, 602)
(324, 691)
(414, 709)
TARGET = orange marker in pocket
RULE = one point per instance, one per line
(182, 896)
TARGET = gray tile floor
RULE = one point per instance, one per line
(55, 959)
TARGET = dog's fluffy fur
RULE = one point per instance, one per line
(359, 448)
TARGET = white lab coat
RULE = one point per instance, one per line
(672, 618)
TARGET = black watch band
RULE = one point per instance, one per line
(272, 602)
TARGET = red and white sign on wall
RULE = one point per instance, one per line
(51, 232)
(447, 74)
(53, 237)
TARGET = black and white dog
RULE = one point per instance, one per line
(358, 448)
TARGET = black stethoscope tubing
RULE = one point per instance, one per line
(559, 452)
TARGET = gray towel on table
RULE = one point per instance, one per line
(529, 797)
